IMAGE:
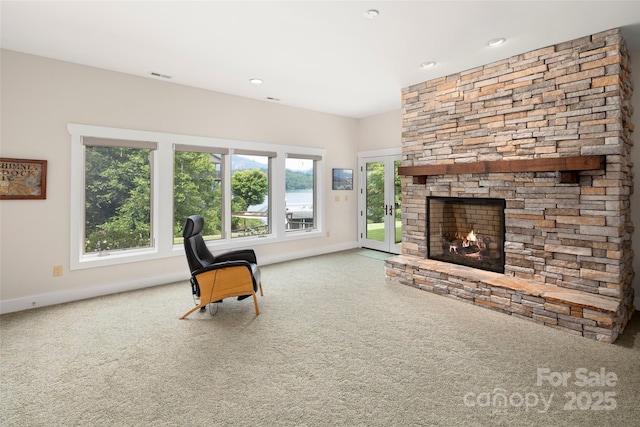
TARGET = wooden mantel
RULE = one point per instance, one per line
(567, 166)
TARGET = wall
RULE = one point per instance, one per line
(40, 96)
(380, 132)
(571, 99)
(32, 127)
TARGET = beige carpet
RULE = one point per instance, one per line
(336, 345)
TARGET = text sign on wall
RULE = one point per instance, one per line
(23, 179)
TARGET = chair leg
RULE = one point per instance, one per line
(260, 285)
(192, 310)
(255, 303)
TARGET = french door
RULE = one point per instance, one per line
(380, 203)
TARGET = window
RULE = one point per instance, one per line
(250, 191)
(130, 196)
(117, 195)
(300, 192)
(197, 189)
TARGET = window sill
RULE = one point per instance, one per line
(115, 258)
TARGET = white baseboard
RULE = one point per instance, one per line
(276, 258)
(60, 297)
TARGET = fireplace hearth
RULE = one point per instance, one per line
(466, 231)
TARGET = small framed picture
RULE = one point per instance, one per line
(343, 179)
(23, 179)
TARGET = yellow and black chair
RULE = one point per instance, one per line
(214, 278)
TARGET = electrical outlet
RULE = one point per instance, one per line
(337, 198)
(57, 270)
(328, 234)
(346, 198)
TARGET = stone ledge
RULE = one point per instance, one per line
(593, 316)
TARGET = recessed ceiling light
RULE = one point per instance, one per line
(256, 81)
(371, 14)
(426, 65)
(496, 42)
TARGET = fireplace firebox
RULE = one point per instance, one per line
(466, 231)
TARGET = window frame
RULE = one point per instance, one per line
(271, 156)
(315, 159)
(116, 143)
(162, 193)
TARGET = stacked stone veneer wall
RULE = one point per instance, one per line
(569, 99)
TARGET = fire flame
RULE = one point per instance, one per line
(471, 237)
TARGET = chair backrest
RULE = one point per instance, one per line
(198, 255)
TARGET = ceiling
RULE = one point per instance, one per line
(325, 56)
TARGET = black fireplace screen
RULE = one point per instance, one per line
(466, 231)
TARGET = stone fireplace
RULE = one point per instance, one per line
(547, 133)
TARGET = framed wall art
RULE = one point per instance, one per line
(23, 179)
(342, 179)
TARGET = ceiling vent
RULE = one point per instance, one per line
(162, 76)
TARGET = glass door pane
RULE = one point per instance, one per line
(375, 206)
(397, 212)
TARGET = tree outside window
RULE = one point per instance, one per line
(117, 198)
(197, 190)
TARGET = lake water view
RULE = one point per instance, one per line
(298, 202)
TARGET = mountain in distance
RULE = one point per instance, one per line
(239, 163)
(242, 163)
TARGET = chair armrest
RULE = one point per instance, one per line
(222, 264)
(242, 254)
